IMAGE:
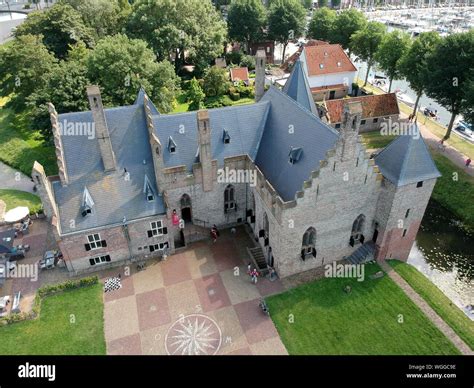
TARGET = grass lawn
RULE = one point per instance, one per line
(439, 302)
(14, 198)
(53, 333)
(20, 147)
(454, 195)
(183, 106)
(376, 139)
(366, 321)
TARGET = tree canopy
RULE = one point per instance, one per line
(391, 50)
(347, 23)
(175, 27)
(60, 26)
(286, 21)
(246, 21)
(321, 25)
(216, 81)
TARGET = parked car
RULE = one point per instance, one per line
(50, 259)
(16, 254)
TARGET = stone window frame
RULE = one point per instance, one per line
(157, 229)
(100, 260)
(230, 204)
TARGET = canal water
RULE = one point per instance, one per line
(444, 252)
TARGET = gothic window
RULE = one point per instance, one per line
(357, 229)
(229, 199)
(266, 225)
(308, 247)
(185, 201)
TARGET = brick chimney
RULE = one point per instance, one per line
(101, 130)
(205, 156)
(260, 60)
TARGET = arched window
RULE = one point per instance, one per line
(266, 225)
(185, 201)
(357, 229)
(229, 199)
(308, 247)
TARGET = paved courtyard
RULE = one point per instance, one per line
(208, 280)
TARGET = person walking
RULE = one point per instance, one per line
(468, 162)
(254, 275)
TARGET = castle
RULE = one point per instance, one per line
(149, 183)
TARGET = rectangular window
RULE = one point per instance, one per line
(404, 233)
(94, 242)
(99, 260)
(338, 125)
(419, 184)
(157, 229)
(362, 122)
(375, 120)
(407, 213)
(159, 247)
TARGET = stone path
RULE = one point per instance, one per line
(427, 310)
(207, 280)
(15, 180)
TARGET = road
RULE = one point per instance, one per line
(15, 180)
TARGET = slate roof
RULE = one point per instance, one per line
(309, 133)
(243, 123)
(298, 89)
(114, 197)
(377, 105)
(407, 160)
(332, 57)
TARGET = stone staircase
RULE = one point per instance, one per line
(362, 254)
(194, 233)
(258, 259)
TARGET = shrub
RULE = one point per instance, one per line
(248, 61)
(216, 81)
(235, 96)
(234, 57)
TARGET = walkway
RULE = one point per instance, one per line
(14, 180)
(203, 288)
(427, 310)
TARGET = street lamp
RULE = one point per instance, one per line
(9, 10)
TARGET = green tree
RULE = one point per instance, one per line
(365, 43)
(467, 108)
(175, 27)
(65, 88)
(450, 66)
(216, 81)
(121, 65)
(307, 3)
(414, 64)
(286, 21)
(195, 95)
(25, 65)
(104, 17)
(347, 23)
(246, 21)
(60, 26)
(323, 3)
(391, 50)
(321, 25)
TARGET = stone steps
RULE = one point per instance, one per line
(362, 254)
(259, 259)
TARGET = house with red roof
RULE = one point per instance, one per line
(329, 70)
(376, 109)
(240, 74)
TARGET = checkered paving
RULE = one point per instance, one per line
(208, 281)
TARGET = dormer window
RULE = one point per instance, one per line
(171, 145)
(87, 203)
(148, 191)
(226, 137)
(295, 155)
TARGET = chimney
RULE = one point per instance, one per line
(101, 130)
(58, 144)
(205, 156)
(260, 60)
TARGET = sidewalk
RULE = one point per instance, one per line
(427, 310)
(14, 180)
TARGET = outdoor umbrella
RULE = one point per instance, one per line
(16, 214)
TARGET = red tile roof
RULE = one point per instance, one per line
(239, 74)
(327, 59)
(372, 106)
(292, 58)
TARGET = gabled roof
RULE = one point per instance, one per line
(116, 195)
(377, 105)
(239, 74)
(309, 133)
(407, 160)
(326, 59)
(297, 88)
(244, 125)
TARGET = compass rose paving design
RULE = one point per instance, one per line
(193, 304)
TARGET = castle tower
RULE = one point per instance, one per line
(409, 178)
(205, 155)
(347, 144)
(260, 60)
(44, 189)
(101, 130)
